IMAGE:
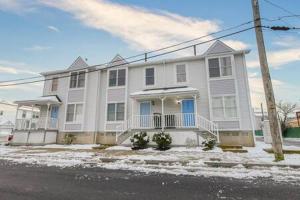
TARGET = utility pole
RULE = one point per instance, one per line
(271, 105)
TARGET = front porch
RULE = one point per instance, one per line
(165, 108)
(42, 113)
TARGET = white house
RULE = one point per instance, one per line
(187, 97)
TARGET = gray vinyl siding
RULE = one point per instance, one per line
(228, 125)
(116, 94)
(76, 95)
(222, 87)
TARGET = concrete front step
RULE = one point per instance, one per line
(231, 146)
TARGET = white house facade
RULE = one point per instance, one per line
(188, 97)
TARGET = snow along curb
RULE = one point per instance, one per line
(208, 163)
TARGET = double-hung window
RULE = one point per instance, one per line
(117, 77)
(224, 107)
(220, 67)
(181, 73)
(74, 113)
(54, 84)
(149, 76)
(115, 111)
(77, 79)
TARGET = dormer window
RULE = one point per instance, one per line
(220, 67)
(117, 77)
(77, 79)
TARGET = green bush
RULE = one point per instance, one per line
(163, 140)
(209, 143)
(139, 140)
(69, 139)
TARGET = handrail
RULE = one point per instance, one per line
(208, 126)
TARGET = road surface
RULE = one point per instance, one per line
(31, 182)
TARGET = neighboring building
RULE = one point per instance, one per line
(186, 97)
(8, 115)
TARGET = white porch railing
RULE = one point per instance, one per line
(36, 123)
(178, 120)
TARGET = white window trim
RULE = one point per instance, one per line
(77, 77)
(75, 122)
(186, 74)
(155, 77)
(115, 121)
(117, 86)
(221, 77)
(223, 106)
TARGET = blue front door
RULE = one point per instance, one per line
(188, 112)
(145, 110)
(53, 117)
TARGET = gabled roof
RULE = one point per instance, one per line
(79, 63)
(44, 100)
(117, 61)
(218, 47)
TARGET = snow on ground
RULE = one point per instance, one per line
(72, 146)
(194, 160)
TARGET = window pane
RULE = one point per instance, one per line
(54, 84)
(150, 76)
(213, 65)
(81, 79)
(217, 104)
(120, 111)
(230, 107)
(181, 73)
(111, 109)
(113, 78)
(121, 77)
(70, 112)
(73, 80)
(78, 116)
(226, 66)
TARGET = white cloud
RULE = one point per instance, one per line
(142, 29)
(53, 28)
(37, 48)
(10, 67)
(17, 6)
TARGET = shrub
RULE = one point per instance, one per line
(69, 138)
(139, 140)
(209, 143)
(163, 140)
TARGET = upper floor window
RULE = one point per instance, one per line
(224, 107)
(54, 85)
(1, 112)
(74, 112)
(181, 73)
(117, 77)
(24, 113)
(77, 79)
(115, 111)
(149, 76)
(220, 67)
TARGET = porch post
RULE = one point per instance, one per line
(196, 110)
(162, 114)
(47, 116)
(30, 122)
(131, 114)
(16, 117)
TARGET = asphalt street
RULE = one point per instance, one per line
(31, 182)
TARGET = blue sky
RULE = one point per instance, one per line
(47, 35)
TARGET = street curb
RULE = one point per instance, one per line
(215, 164)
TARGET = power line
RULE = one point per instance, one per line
(142, 54)
(150, 57)
(280, 7)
